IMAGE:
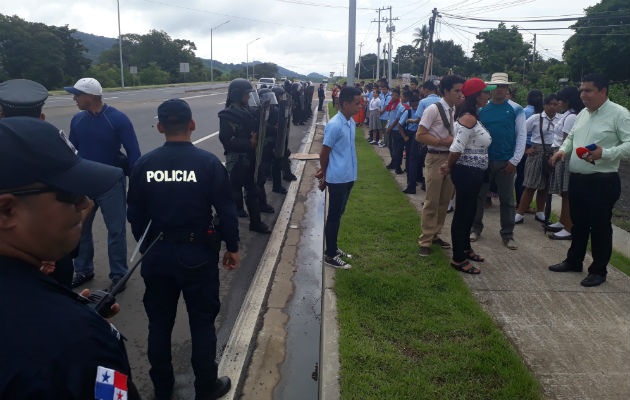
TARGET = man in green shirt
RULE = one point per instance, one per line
(594, 184)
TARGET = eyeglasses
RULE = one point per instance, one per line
(61, 195)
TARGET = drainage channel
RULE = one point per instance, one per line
(299, 370)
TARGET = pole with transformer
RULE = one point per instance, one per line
(428, 62)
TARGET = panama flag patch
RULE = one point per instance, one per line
(110, 385)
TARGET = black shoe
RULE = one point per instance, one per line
(441, 243)
(423, 187)
(410, 191)
(565, 267)
(593, 280)
(242, 213)
(80, 279)
(289, 177)
(114, 283)
(260, 227)
(399, 171)
(549, 228)
(280, 190)
(266, 208)
(389, 166)
(221, 387)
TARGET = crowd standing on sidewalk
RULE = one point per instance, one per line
(474, 144)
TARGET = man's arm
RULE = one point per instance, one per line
(521, 137)
(129, 140)
(136, 207)
(324, 158)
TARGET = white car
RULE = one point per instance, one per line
(269, 82)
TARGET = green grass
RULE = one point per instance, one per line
(409, 327)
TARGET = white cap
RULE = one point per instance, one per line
(87, 86)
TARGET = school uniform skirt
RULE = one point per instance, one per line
(537, 174)
(560, 177)
(374, 119)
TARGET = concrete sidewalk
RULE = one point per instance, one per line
(576, 340)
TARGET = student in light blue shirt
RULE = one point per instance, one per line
(338, 170)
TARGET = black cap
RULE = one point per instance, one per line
(174, 111)
(22, 94)
(32, 151)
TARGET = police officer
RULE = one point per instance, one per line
(269, 164)
(23, 97)
(238, 134)
(175, 187)
(52, 345)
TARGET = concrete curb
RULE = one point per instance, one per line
(239, 346)
(329, 363)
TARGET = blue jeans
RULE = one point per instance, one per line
(112, 204)
(338, 194)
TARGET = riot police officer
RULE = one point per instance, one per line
(238, 134)
(174, 188)
(269, 165)
(53, 346)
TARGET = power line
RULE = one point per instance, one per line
(527, 20)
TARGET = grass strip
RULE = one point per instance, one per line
(409, 326)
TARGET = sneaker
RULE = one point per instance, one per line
(280, 190)
(343, 254)
(260, 227)
(381, 144)
(80, 279)
(336, 262)
(373, 142)
(518, 218)
(266, 208)
(510, 244)
(441, 243)
(288, 176)
(474, 236)
(220, 388)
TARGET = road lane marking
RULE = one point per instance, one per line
(206, 137)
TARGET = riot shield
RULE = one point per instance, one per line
(263, 116)
(284, 127)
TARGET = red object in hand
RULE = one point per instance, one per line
(585, 152)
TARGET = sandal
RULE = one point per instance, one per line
(462, 268)
(471, 255)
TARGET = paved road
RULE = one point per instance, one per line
(141, 106)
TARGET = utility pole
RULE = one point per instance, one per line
(360, 48)
(378, 44)
(211, 58)
(534, 52)
(390, 29)
(428, 62)
(352, 30)
(122, 74)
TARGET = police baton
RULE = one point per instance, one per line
(101, 300)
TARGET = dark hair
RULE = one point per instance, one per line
(429, 85)
(469, 105)
(22, 112)
(396, 90)
(599, 81)
(408, 94)
(571, 96)
(549, 98)
(413, 80)
(347, 94)
(535, 98)
(413, 98)
(449, 81)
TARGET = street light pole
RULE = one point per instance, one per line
(212, 58)
(247, 57)
(122, 72)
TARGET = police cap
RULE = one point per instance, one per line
(33, 151)
(22, 94)
(174, 111)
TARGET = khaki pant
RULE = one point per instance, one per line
(439, 192)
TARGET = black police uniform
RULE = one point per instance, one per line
(236, 125)
(23, 97)
(175, 187)
(53, 343)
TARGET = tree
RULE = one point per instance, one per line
(501, 49)
(49, 55)
(449, 57)
(601, 42)
(264, 69)
(421, 39)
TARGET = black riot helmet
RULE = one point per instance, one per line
(279, 92)
(238, 88)
(267, 94)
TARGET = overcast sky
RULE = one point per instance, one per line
(301, 35)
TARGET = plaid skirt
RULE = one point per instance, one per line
(374, 116)
(560, 177)
(536, 175)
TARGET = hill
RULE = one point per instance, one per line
(95, 45)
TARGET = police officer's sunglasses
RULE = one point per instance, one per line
(61, 195)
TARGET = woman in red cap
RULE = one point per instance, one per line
(467, 164)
